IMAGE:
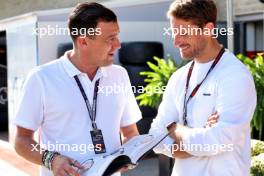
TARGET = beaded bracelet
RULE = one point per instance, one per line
(44, 156)
(52, 158)
(48, 157)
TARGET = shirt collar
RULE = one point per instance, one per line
(72, 70)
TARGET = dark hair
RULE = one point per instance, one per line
(88, 15)
(199, 12)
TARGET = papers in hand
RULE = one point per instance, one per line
(127, 155)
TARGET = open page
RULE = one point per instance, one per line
(127, 154)
(98, 165)
(140, 145)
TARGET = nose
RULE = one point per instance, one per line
(177, 40)
(117, 44)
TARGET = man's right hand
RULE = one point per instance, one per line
(212, 120)
(63, 165)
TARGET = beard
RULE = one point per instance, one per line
(193, 51)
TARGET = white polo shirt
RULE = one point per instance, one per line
(224, 148)
(52, 102)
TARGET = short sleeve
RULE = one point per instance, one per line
(29, 114)
(131, 113)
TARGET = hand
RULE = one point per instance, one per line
(124, 169)
(127, 168)
(177, 151)
(62, 166)
(171, 127)
(212, 120)
(177, 148)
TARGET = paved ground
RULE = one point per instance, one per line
(13, 165)
(148, 167)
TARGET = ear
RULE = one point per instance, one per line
(209, 27)
(81, 41)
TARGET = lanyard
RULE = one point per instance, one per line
(91, 110)
(193, 93)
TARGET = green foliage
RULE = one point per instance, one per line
(256, 67)
(257, 160)
(257, 147)
(157, 80)
(257, 165)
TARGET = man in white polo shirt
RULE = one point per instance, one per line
(215, 81)
(70, 101)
